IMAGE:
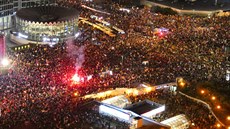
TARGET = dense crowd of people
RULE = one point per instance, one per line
(198, 114)
(38, 87)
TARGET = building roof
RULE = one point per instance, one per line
(119, 101)
(143, 107)
(47, 14)
(151, 124)
(113, 111)
(154, 127)
(176, 122)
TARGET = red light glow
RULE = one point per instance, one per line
(75, 94)
(76, 78)
(161, 34)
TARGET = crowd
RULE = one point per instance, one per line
(177, 104)
(38, 87)
(194, 47)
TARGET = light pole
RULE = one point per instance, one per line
(215, 2)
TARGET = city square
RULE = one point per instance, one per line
(105, 65)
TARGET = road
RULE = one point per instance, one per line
(104, 29)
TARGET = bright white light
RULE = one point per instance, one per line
(228, 75)
(124, 9)
(55, 39)
(111, 72)
(77, 34)
(89, 77)
(51, 45)
(22, 35)
(165, 86)
(5, 62)
(145, 62)
(76, 78)
(94, 17)
(120, 31)
(44, 39)
(106, 23)
(82, 79)
(144, 85)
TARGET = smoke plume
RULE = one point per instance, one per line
(77, 53)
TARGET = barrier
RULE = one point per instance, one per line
(207, 105)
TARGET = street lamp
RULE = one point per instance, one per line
(218, 125)
(148, 89)
(5, 62)
(202, 91)
(218, 107)
(180, 82)
(135, 92)
(215, 2)
(75, 94)
(213, 98)
(228, 118)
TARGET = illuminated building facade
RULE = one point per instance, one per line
(128, 116)
(6, 12)
(45, 24)
(9, 7)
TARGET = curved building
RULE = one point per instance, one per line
(45, 24)
(9, 7)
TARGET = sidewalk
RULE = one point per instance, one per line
(182, 11)
(217, 115)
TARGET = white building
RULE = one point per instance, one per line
(9, 7)
(146, 108)
(119, 101)
(177, 122)
(134, 120)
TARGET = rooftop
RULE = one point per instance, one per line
(143, 107)
(47, 14)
